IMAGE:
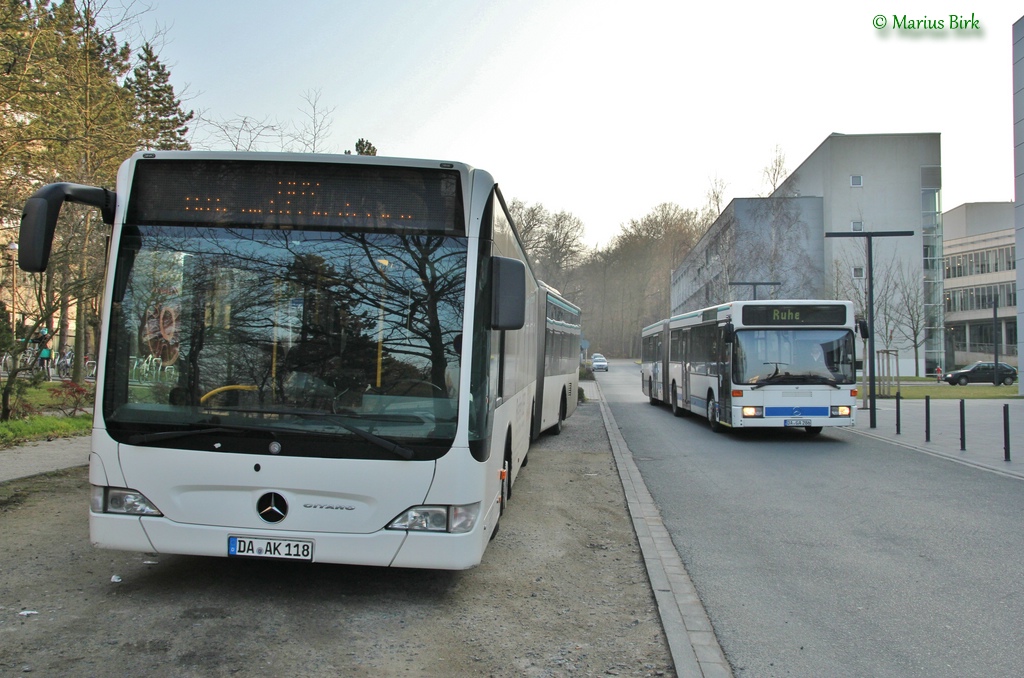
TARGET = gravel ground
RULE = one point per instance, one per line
(562, 591)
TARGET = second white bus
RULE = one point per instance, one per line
(743, 364)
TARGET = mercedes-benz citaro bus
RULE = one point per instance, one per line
(337, 359)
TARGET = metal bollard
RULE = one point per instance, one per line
(1006, 432)
(927, 419)
(898, 399)
(963, 428)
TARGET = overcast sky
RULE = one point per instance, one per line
(607, 109)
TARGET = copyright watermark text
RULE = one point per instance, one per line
(949, 22)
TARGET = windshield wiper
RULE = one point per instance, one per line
(788, 378)
(383, 443)
(822, 379)
(187, 433)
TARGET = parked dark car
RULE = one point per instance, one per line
(981, 373)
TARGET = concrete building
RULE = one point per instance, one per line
(755, 239)
(1018, 162)
(980, 270)
(850, 184)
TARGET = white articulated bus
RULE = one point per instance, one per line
(319, 358)
(756, 364)
(559, 373)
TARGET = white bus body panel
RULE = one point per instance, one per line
(553, 389)
(200, 516)
(801, 402)
(226, 491)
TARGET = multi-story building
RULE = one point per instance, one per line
(1018, 155)
(980, 283)
(851, 184)
(755, 240)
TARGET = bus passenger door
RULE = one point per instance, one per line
(684, 359)
(726, 341)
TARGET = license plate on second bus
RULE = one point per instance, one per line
(798, 422)
(258, 547)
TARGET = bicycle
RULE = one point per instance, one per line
(65, 363)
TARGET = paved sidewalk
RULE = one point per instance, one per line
(983, 420)
(43, 456)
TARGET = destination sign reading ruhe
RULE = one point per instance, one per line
(785, 314)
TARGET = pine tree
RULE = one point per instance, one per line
(364, 147)
(162, 124)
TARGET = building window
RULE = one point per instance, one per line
(858, 272)
(856, 180)
(856, 225)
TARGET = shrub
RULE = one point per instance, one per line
(71, 398)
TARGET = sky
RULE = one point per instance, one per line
(607, 109)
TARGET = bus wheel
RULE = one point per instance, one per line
(557, 428)
(813, 430)
(713, 421)
(506, 493)
(506, 483)
(676, 410)
(650, 391)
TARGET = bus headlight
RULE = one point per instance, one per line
(452, 519)
(122, 500)
(751, 411)
(841, 410)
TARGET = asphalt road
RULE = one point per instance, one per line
(839, 555)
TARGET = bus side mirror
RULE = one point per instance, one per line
(728, 333)
(39, 219)
(862, 325)
(508, 294)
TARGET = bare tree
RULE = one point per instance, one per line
(771, 252)
(531, 222)
(911, 310)
(312, 133)
(774, 172)
(886, 293)
(241, 133)
(561, 250)
(715, 197)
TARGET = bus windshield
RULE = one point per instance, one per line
(304, 331)
(794, 356)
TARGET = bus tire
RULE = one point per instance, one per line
(557, 428)
(813, 430)
(676, 410)
(712, 412)
(508, 470)
(650, 391)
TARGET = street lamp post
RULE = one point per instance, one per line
(871, 307)
(755, 284)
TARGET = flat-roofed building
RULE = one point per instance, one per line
(980, 270)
